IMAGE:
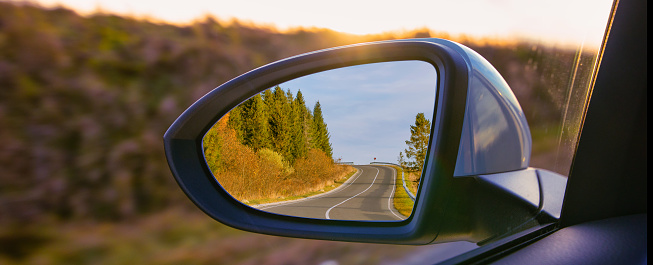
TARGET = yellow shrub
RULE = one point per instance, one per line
(264, 174)
(275, 160)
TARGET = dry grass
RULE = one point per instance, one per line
(345, 173)
(412, 180)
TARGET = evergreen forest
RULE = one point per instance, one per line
(272, 146)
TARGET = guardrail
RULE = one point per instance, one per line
(384, 163)
(410, 194)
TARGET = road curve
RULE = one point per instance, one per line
(365, 196)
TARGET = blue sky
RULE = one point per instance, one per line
(369, 108)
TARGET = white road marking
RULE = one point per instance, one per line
(339, 189)
(327, 212)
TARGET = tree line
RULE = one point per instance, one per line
(279, 121)
(272, 146)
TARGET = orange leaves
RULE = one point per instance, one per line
(249, 175)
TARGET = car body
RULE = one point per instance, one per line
(604, 215)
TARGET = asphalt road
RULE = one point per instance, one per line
(367, 195)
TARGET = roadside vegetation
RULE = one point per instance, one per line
(415, 153)
(272, 147)
(316, 191)
(412, 180)
(402, 201)
(417, 145)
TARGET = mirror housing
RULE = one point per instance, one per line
(443, 208)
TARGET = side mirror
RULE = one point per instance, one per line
(477, 129)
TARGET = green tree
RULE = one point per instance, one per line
(254, 131)
(235, 122)
(321, 138)
(298, 137)
(401, 160)
(278, 121)
(305, 116)
(418, 143)
(213, 148)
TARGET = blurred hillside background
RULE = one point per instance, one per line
(85, 101)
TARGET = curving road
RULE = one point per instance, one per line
(367, 195)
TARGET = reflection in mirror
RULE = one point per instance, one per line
(345, 144)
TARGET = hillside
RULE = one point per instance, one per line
(85, 100)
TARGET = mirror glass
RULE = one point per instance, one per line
(344, 144)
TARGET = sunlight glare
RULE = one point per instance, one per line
(560, 20)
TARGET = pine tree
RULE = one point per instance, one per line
(255, 131)
(279, 124)
(418, 143)
(267, 96)
(298, 138)
(401, 160)
(235, 121)
(320, 132)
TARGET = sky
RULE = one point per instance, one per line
(564, 21)
(369, 108)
